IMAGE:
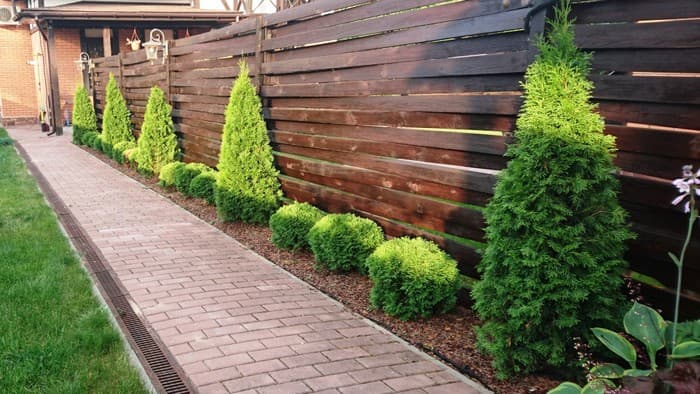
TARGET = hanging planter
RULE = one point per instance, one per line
(134, 41)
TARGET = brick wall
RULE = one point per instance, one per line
(18, 101)
(69, 78)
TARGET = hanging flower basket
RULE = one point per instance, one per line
(134, 41)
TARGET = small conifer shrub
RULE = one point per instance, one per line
(342, 242)
(87, 137)
(202, 186)
(412, 278)
(84, 118)
(129, 156)
(166, 177)
(185, 174)
(291, 223)
(119, 148)
(116, 119)
(157, 144)
(552, 268)
(247, 188)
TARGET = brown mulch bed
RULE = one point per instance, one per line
(449, 337)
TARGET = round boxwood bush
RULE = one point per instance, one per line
(291, 223)
(202, 186)
(119, 148)
(185, 174)
(167, 173)
(412, 278)
(342, 242)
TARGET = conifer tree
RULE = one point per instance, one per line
(84, 118)
(247, 188)
(556, 233)
(116, 119)
(157, 144)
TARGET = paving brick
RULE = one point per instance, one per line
(417, 367)
(409, 382)
(342, 354)
(285, 388)
(230, 360)
(373, 374)
(273, 353)
(219, 375)
(312, 347)
(242, 347)
(365, 388)
(260, 367)
(330, 381)
(305, 359)
(336, 367)
(248, 382)
(288, 375)
(288, 340)
(452, 388)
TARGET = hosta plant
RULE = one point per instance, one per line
(650, 329)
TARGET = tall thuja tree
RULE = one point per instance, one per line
(116, 119)
(157, 144)
(556, 233)
(247, 188)
(84, 119)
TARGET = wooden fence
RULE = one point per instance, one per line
(400, 110)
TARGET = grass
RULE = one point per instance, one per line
(54, 335)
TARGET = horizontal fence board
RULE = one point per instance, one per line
(673, 34)
(667, 143)
(610, 11)
(647, 60)
(673, 90)
(657, 114)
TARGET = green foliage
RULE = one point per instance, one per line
(185, 174)
(55, 337)
(157, 145)
(650, 329)
(6, 141)
(247, 188)
(116, 119)
(129, 155)
(92, 139)
(342, 242)
(119, 148)
(86, 137)
(552, 268)
(412, 278)
(84, 118)
(291, 223)
(167, 173)
(202, 186)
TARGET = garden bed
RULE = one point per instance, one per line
(449, 337)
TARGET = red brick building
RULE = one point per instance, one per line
(42, 39)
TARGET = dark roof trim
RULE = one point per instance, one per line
(189, 16)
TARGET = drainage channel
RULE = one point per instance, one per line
(159, 364)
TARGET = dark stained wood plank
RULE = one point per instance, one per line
(394, 119)
(298, 164)
(675, 144)
(221, 91)
(423, 51)
(675, 34)
(230, 71)
(501, 63)
(193, 98)
(634, 10)
(648, 60)
(473, 104)
(223, 83)
(481, 83)
(657, 166)
(656, 114)
(668, 90)
(236, 42)
(196, 115)
(452, 140)
(242, 27)
(217, 109)
(401, 151)
(315, 8)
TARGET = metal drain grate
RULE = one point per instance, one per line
(158, 363)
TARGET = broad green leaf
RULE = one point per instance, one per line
(566, 388)
(597, 386)
(675, 259)
(689, 349)
(648, 327)
(638, 372)
(617, 344)
(608, 370)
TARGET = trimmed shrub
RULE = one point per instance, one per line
(247, 188)
(86, 137)
(119, 148)
(129, 155)
(157, 145)
(412, 278)
(185, 174)
(291, 223)
(552, 268)
(202, 186)
(116, 119)
(167, 173)
(84, 118)
(342, 242)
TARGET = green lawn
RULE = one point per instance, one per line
(54, 335)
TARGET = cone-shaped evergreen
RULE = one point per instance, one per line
(116, 119)
(556, 233)
(157, 144)
(247, 188)
(84, 119)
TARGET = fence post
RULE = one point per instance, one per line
(259, 55)
(167, 78)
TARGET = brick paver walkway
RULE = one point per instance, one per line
(234, 321)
